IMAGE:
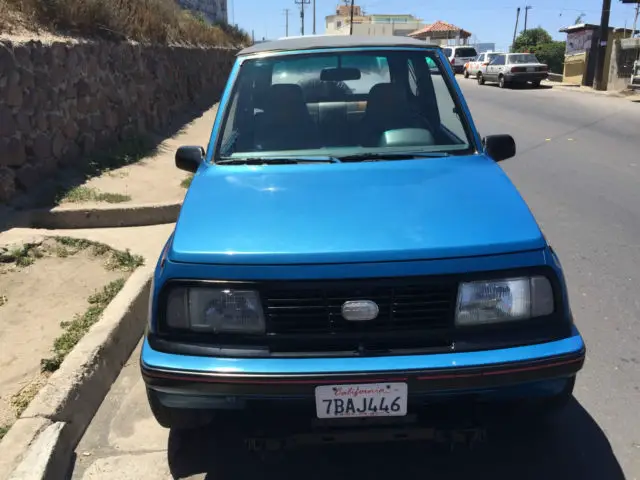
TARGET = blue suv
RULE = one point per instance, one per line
(350, 245)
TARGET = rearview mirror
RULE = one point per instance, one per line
(499, 147)
(339, 74)
(189, 158)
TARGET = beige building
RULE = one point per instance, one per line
(370, 25)
(581, 52)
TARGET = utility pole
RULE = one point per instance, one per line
(286, 15)
(603, 35)
(314, 17)
(515, 31)
(302, 3)
(526, 15)
(351, 22)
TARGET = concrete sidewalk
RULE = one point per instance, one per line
(625, 94)
(154, 179)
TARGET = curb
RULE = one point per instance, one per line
(40, 444)
(582, 89)
(136, 215)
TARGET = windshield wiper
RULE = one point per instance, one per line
(277, 160)
(380, 157)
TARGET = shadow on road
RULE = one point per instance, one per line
(573, 446)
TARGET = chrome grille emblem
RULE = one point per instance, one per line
(359, 310)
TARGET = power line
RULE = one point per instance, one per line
(314, 17)
(302, 3)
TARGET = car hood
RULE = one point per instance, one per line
(352, 212)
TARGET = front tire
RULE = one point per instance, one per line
(177, 418)
(480, 78)
(536, 84)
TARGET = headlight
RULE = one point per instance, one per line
(202, 309)
(505, 300)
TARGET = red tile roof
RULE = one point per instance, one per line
(439, 27)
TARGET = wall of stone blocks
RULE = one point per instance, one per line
(60, 102)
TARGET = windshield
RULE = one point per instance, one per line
(523, 58)
(342, 104)
(466, 52)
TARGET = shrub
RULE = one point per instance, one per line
(147, 21)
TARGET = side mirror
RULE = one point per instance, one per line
(499, 147)
(189, 158)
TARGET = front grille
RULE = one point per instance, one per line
(307, 317)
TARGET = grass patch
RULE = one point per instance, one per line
(64, 247)
(80, 325)
(83, 194)
(3, 430)
(115, 259)
(125, 261)
(186, 183)
(3, 300)
(147, 21)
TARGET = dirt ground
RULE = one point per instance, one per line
(34, 299)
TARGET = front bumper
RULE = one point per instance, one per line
(192, 381)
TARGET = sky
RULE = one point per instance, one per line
(489, 20)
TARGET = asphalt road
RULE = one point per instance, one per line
(578, 167)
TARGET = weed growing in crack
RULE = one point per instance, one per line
(186, 183)
(21, 400)
(21, 256)
(80, 325)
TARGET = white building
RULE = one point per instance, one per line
(370, 25)
(211, 10)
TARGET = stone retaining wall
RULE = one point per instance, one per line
(60, 102)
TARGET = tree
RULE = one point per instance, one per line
(552, 54)
(539, 42)
(530, 38)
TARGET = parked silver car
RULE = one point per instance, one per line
(511, 68)
(479, 64)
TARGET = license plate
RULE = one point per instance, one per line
(531, 69)
(361, 400)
